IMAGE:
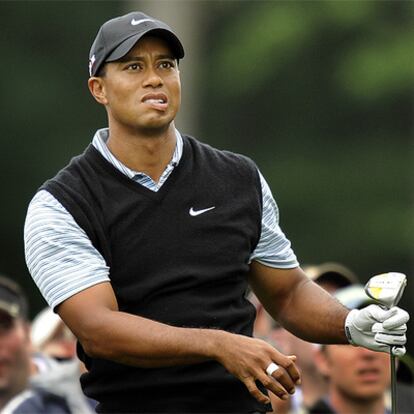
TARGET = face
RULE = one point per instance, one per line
(62, 345)
(142, 90)
(355, 373)
(14, 356)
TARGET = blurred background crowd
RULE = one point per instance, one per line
(39, 369)
(318, 93)
(338, 379)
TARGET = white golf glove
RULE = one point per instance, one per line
(378, 329)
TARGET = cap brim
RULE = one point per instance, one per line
(44, 325)
(128, 44)
(331, 272)
(12, 309)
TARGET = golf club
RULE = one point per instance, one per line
(387, 289)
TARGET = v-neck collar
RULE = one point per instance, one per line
(99, 142)
(94, 155)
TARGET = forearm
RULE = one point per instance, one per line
(137, 341)
(107, 333)
(149, 344)
(299, 304)
(134, 340)
(314, 315)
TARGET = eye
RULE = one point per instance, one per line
(133, 66)
(166, 64)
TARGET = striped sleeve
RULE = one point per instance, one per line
(59, 254)
(273, 249)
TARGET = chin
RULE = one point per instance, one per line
(157, 123)
(369, 394)
(153, 128)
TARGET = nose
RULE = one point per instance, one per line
(367, 353)
(152, 78)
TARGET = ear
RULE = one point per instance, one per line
(97, 88)
(321, 359)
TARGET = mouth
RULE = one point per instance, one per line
(157, 101)
(369, 374)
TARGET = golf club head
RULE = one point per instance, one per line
(386, 288)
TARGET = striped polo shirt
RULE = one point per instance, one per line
(63, 261)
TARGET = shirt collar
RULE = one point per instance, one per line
(101, 137)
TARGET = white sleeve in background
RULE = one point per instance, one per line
(273, 249)
(59, 254)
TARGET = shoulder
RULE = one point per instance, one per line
(76, 188)
(78, 167)
(43, 200)
(228, 158)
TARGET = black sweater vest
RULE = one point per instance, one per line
(170, 266)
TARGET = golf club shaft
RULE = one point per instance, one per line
(393, 384)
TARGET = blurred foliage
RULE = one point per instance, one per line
(374, 44)
(47, 113)
(318, 93)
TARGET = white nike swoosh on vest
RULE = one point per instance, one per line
(135, 22)
(198, 212)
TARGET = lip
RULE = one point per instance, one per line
(369, 374)
(157, 101)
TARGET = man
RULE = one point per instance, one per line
(145, 245)
(358, 377)
(16, 394)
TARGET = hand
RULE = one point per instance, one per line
(247, 359)
(378, 329)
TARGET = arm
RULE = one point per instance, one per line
(107, 333)
(299, 304)
(302, 306)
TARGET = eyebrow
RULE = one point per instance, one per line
(141, 59)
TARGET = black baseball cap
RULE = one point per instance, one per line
(13, 302)
(331, 272)
(117, 36)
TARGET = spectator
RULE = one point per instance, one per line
(331, 275)
(58, 368)
(51, 336)
(17, 396)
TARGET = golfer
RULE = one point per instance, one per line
(146, 243)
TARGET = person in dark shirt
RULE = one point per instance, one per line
(17, 396)
(145, 245)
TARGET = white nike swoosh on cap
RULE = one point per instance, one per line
(198, 212)
(135, 22)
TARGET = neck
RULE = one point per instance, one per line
(344, 404)
(147, 151)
